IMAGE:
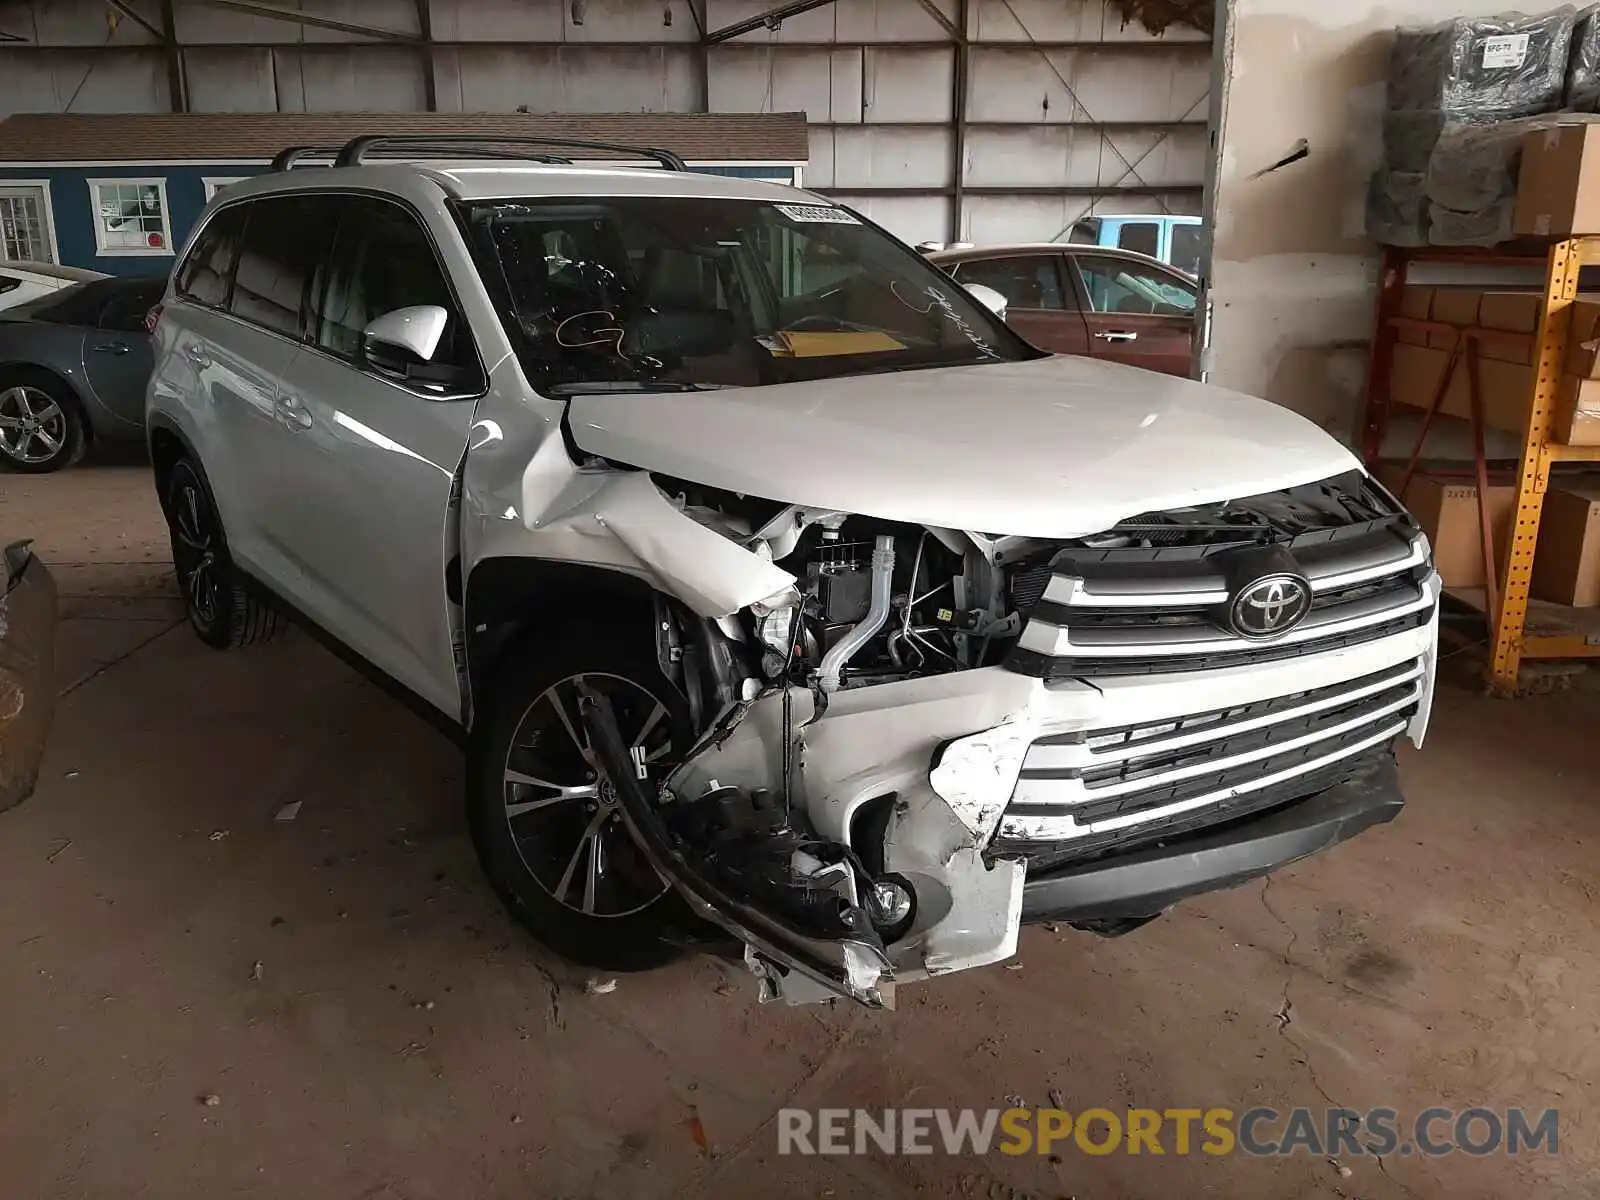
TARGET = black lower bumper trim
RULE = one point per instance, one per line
(1145, 882)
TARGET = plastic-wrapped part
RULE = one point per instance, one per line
(1409, 136)
(1487, 226)
(1508, 65)
(1397, 209)
(1583, 64)
(1475, 166)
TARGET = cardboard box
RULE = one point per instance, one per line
(1507, 387)
(1558, 186)
(1566, 566)
(1456, 306)
(1416, 302)
(1513, 312)
(1576, 420)
(1448, 513)
(1582, 360)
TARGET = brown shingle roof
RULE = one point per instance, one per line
(232, 137)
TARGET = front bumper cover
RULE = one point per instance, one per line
(27, 669)
(1142, 883)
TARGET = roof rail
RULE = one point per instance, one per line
(355, 150)
(290, 155)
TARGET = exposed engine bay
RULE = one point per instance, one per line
(840, 870)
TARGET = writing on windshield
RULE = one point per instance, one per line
(716, 292)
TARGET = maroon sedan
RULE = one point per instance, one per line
(1089, 300)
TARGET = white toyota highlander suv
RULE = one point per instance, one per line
(786, 602)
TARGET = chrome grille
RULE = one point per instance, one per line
(1107, 613)
(1096, 781)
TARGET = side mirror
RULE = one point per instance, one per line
(989, 298)
(414, 332)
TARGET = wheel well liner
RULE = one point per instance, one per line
(510, 599)
(167, 447)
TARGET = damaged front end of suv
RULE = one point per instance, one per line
(950, 635)
(903, 731)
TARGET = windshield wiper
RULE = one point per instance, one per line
(604, 387)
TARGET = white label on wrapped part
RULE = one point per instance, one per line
(1505, 50)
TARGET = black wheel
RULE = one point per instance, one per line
(221, 611)
(41, 426)
(544, 817)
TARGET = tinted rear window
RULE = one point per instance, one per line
(80, 304)
(130, 301)
(207, 272)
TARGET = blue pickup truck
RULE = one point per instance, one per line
(1172, 239)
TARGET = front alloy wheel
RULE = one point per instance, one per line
(544, 815)
(561, 808)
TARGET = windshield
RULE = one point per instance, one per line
(679, 292)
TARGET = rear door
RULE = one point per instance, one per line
(223, 372)
(116, 352)
(1039, 303)
(369, 456)
(1137, 313)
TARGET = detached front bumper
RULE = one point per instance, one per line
(1142, 883)
(27, 669)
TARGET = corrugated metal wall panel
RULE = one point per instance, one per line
(1035, 110)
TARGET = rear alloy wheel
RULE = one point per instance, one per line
(221, 611)
(40, 431)
(545, 815)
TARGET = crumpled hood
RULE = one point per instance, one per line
(1057, 447)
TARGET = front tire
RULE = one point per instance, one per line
(544, 817)
(41, 426)
(221, 611)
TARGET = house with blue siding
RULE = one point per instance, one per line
(120, 193)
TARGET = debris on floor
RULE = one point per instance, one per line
(289, 811)
(211, 1100)
(596, 986)
(257, 973)
(697, 1131)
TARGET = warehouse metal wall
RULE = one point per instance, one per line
(1064, 111)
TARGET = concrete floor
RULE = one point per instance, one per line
(401, 1040)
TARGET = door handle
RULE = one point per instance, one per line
(1118, 335)
(110, 348)
(196, 354)
(293, 413)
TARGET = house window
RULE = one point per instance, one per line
(131, 216)
(215, 185)
(26, 232)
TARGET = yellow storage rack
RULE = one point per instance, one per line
(1553, 634)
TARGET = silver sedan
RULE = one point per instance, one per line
(73, 368)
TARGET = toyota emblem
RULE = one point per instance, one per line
(1270, 606)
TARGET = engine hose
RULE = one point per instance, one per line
(834, 661)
